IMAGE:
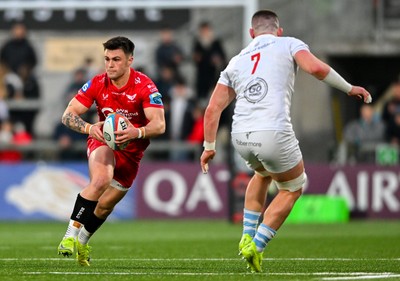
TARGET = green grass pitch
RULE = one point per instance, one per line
(203, 250)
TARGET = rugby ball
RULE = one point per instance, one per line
(114, 122)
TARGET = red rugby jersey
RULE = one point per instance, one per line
(130, 100)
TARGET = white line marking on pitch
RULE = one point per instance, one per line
(207, 259)
(346, 275)
(363, 277)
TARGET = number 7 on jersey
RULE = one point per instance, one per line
(255, 57)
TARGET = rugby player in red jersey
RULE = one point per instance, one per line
(123, 90)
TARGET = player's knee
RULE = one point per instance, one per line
(295, 185)
(100, 183)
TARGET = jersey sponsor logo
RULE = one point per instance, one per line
(256, 48)
(86, 86)
(118, 93)
(256, 90)
(152, 88)
(106, 111)
(248, 143)
(126, 113)
(131, 98)
(155, 98)
(130, 115)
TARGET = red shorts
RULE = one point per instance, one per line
(126, 164)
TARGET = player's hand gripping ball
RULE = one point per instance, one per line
(114, 122)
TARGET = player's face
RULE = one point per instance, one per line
(116, 63)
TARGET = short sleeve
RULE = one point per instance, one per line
(224, 79)
(297, 45)
(151, 96)
(86, 94)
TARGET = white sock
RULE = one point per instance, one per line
(73, 229)
(84, 236)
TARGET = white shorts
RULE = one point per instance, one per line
(276, 151)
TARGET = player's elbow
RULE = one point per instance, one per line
(213, 110)
(311, 64)
(64, 118)
(319, 70)
(160, 129)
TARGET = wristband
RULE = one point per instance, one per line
(335, 80)
(88, 127)
(209, 145)
(139, 134)
(143, 132)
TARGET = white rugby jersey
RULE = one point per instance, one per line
(263, 75)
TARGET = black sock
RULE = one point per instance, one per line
(93, 223)
(83, 209)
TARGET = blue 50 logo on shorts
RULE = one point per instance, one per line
(86, 86)
(155, 98)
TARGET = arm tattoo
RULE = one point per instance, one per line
(74, 122)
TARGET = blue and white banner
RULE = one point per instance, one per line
(32, 191)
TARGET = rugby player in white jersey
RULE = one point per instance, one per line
(261, 79)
